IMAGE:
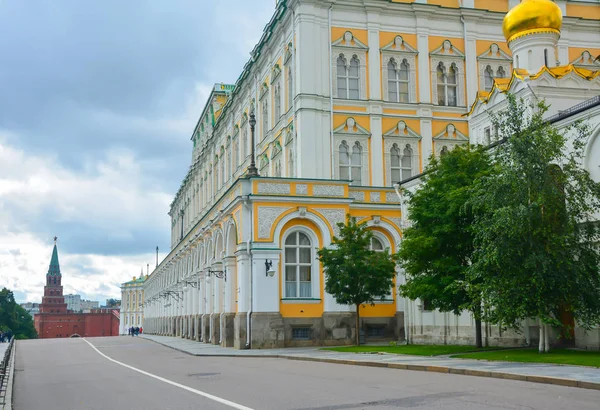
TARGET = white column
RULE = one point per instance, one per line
(471, 65)
(377, 162)
(423, 59)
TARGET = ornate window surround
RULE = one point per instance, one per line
(495, 58)
(450, 138)
(587, 60)
(351, 132)
(315, 268)
(401, 135)
(448, 54)
(349, 46)
(400, 50)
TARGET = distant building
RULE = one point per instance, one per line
(31, 307)
(132, 299)
(54, 320)
(89, 305)
(73, 303)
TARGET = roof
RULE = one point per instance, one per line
(136, 281)
(54, 268)
(504, 84)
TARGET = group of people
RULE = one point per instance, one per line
(134, 331)
(5, 335)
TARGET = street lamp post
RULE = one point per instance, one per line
(252, 170)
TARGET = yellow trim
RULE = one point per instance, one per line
(532, 31)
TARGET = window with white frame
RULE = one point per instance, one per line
(235, 147)
(376, 245)
(350, 162)
(488, 78)
(447, 84)
(401, 162)
(298, 265)
(277, 102)
(348, 77)
(229, 162)
(244, 141)
(290, 164)
(265, 116)
(398, 81)
(222, 167)
(290, 88)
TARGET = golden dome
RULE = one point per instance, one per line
(532, 16)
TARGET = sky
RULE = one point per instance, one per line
(97, 104)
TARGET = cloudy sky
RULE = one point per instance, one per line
(98, 100)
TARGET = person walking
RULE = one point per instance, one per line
(141, 330)
(131, 331)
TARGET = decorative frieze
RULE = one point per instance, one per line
(328, 190)
(333, 216)
(266, 217)
(301, 189)
(392, 197)
(357, 195)
(375, 197)
(273, 188)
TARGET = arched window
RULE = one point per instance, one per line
(244, 142)
(398, 81)
(277, 102)
(376, 245)
(348, 76)
(290, 88)
(395, 164)
(489, 78)
(446, 80)
(265, 116)
(235, 155)
(500, 73)
(298, 266)
(344, 162)
(290, 165)
(406, 164)
(356, 164)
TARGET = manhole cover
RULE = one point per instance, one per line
(202, 374)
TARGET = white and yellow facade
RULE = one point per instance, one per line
(350, 97)
(132, 301)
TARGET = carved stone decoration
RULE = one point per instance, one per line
(266, 217)
(586, 60)
(376, 219)
(375, 197)
(328, 190)
(358, 195)
(333, 217)
(273, 188)
(392, 197)
(302, 211)
(301, 189)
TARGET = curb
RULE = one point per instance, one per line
(11, 379)
(416, 367)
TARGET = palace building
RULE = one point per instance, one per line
(54, 320)
(339, 102)
(132, 298)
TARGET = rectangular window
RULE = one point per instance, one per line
(427, 306)
(376, 331)
(301, 333)
(487, 136)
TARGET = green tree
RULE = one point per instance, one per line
(437, 249)
(355, 274)
(14, 318)
(536, 239)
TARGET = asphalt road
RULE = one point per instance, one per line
(70, 374)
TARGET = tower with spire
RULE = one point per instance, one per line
(53, 300)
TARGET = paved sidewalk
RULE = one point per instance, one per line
(575, 376)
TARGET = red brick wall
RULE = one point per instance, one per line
(82, 324)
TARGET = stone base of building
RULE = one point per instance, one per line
(227, 329)
(239, 331)
(206, 328)
(216, 328)
(198, 327)
(465, 335)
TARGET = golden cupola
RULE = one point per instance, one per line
(530, 17)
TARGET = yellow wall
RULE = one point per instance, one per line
(586, 11)
(575, 52)
(445, 3)
(492, 5)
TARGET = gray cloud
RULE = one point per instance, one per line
(97, 105)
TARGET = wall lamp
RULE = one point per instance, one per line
(221, 274)
(270, 272)
(186, 285)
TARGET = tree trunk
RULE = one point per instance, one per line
(478, 338)
(542, 343)
(358, 325)
(546, 339)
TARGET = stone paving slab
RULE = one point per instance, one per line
(576, 376)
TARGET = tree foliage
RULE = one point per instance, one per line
(355, 274)
(536, 242)
(437, 249)
(15, 319)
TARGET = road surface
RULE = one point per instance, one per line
(133, 373)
